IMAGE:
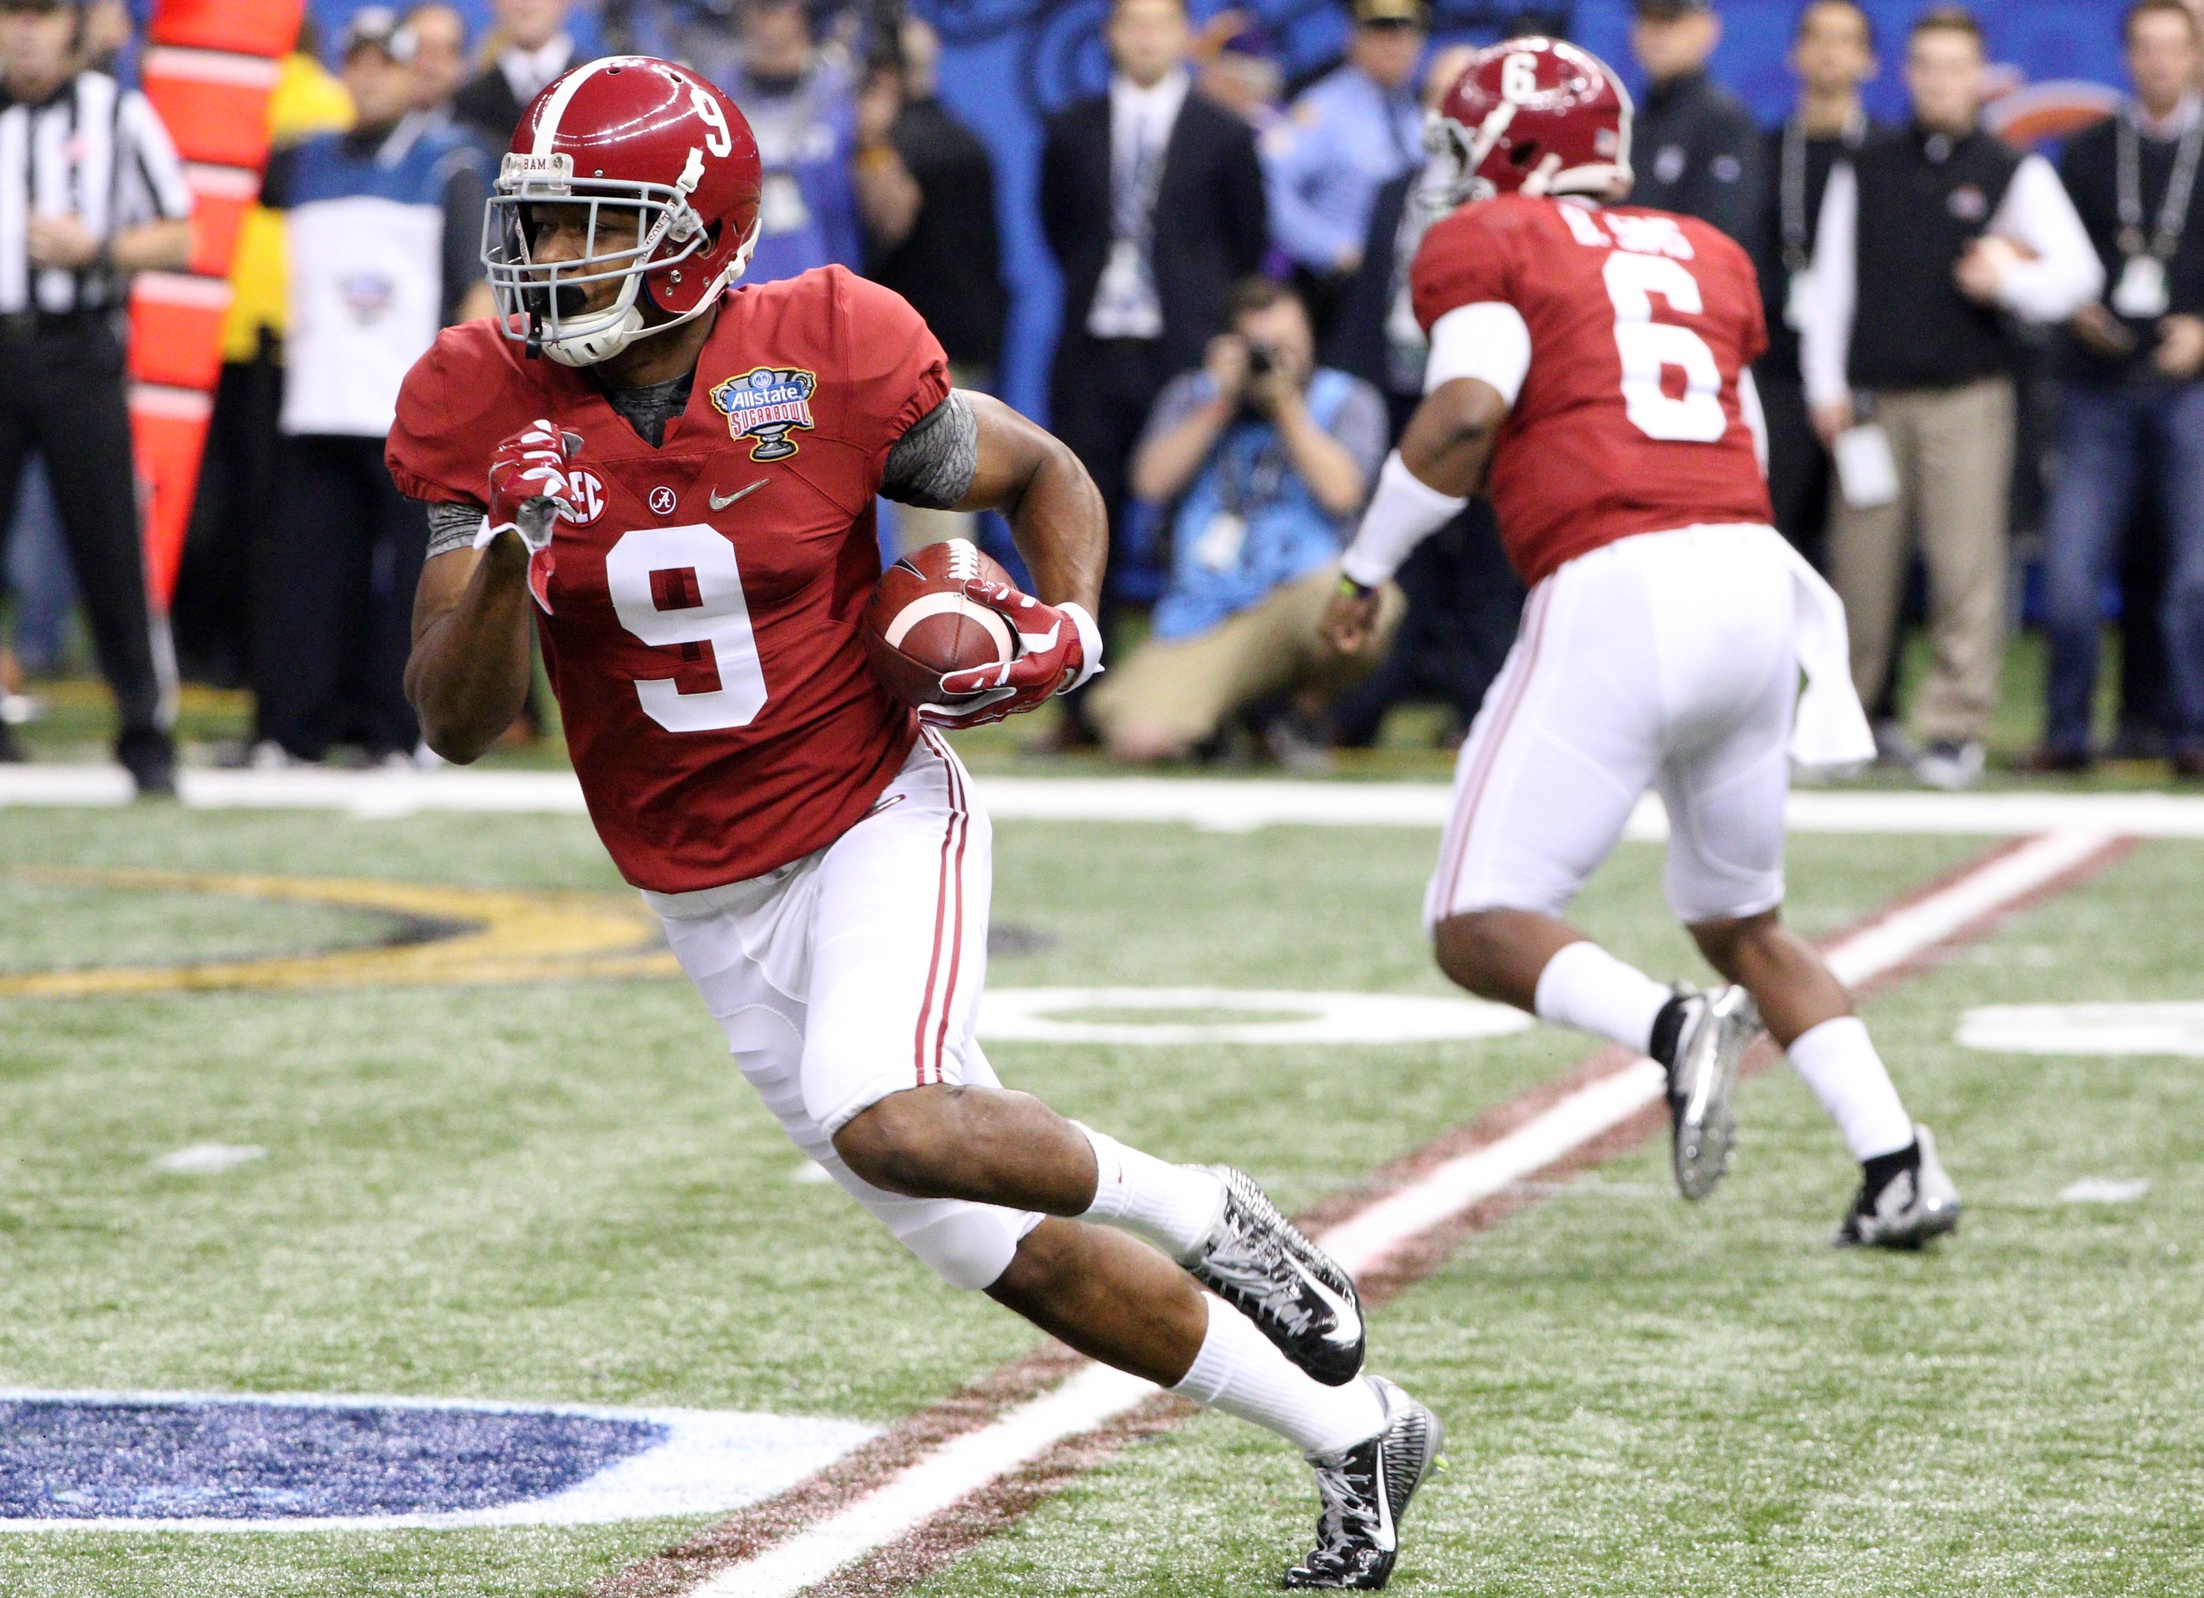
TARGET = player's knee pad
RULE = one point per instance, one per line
(971, 1246)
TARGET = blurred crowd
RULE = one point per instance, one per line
(1965, 340)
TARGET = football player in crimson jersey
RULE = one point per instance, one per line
(1590, 369)
(672, 480)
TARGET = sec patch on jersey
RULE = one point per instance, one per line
(921, 625)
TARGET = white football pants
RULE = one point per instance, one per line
(1664, 659)
(855, 973)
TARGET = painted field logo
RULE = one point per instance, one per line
(307, 1462)
(765, 405)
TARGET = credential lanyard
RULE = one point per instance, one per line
(1791, 184)
(2173, 214)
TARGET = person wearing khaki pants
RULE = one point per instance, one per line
(1172, 696)
(1953, 449)
(1927, 239)
(1265, 457)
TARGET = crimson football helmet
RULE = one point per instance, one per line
(1535, 116)
(627, 136)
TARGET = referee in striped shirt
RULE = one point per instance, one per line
(90, 191)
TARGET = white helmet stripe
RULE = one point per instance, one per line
(1489, 132)
(547, 126)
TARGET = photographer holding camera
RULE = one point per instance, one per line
(1266, 458)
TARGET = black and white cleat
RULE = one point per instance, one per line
(1366, 1490)
(1917, 1203)
(1702, 1080)
(1258, 1263)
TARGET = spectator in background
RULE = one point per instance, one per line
(1267, 458)
(533, 48)
(701, 34)
(385, 227)
(439, 56)
(90, 191)
(1463, 597)
(1152, 203)
(1925, 239)
(108, 32)
(1348, 136)
(804, 113)
(938, 248)
(2132, 416)
(233, 519)
(1832, 54)
(1240, 71)
(1695, 148)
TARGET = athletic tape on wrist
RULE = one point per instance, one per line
(1403, 512)
(1090, 643)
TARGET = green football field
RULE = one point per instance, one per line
(561, 1191)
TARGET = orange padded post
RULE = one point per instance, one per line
(209, 71)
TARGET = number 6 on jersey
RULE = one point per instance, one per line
(1648, 348)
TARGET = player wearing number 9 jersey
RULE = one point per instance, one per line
(1590, 367)
(671, 480)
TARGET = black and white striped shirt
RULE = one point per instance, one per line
(93, 150)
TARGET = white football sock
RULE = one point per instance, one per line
(1171, 1206)
(1586, 987)
(1241, 1372)
(1838, 1061)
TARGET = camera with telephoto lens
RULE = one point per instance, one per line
(1262, 360)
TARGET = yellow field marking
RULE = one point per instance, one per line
(495, 935)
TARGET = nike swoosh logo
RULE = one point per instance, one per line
(722, 501)
(1346, 1323)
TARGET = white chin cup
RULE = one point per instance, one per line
(601, 343)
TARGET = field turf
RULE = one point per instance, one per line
(539, 1191)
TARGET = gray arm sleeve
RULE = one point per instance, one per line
(932, 465)
(451, 525)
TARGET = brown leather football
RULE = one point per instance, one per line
(920, 624)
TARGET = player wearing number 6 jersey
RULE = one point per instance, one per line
(1590, 367)
(672, 479)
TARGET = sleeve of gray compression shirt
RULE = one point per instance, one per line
(451, 525)
(932, 465)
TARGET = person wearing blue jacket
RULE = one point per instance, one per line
(1265, 458)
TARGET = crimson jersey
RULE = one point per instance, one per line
(1629, 420)
(701, 627)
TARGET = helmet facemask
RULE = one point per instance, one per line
(542, 302)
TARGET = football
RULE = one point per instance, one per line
(920, 625)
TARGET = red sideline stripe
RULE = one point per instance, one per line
(1473, 786)
(941, 917)
(893, 1570)
(956, 937)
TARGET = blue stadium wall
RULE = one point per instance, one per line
(1009, 63)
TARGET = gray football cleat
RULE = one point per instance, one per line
(1915, 1205)
(1702, 1080)
(1301, 1298)
(1366, 1490)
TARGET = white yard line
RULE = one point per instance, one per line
(1213, 804)
(1096, 1396)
